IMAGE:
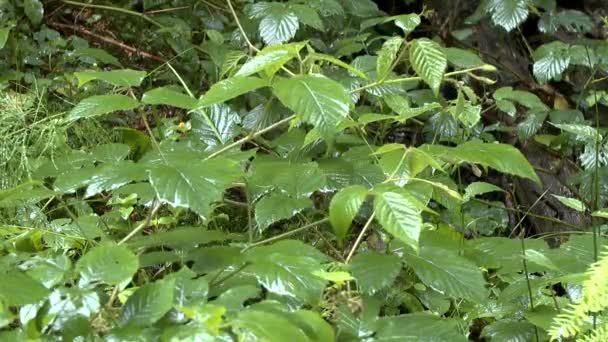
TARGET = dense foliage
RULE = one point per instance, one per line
(312, 170)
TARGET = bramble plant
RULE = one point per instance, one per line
(316, 170)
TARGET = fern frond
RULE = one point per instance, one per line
(595, 299)
(600, 334)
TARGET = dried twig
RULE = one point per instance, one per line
(127, 48)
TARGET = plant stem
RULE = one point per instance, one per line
(238, 23)
(413, 78)
(360, 237)
(116, 9)
(250, 137)
(142, 225)
(286, 234)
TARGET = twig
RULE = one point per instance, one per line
(143, 224)
(360, 237)
(238, 23)
(286, 234)
(250, 137)
(112, 41)
(116, 9)
(417, 78)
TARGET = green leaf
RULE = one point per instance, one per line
(374, 271)
(344, 207)
(462, 58)
(470, 115)
(276, 207)
(101, 104)
(508, 13)
(333, 60)
(506, 330)
(550, 61)
(478, 188)
(387, 55)
(182, 238)
(102, 178)
(148, 303)
(584, 132)
(278, 25)
(572, 203)
(33, 10)
(215, 125)
(524, 98)
(17, 288)
(316, 99)
(399, 216)
(120, 78)
(168, 97)
(407, 22)
(230, 88)
(447, 272)
(288, 275)
(429, 62)
(97, 55)
(501, 157)
(269, 58)
(108, 264)
(267, 326)
(110, 153)
(603, 213)
(418, 327)
(308, 16)
(4, 32)
(194, 185)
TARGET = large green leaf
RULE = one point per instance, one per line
(120, 78)
(230, 88)
(33, 10)
(344, 207)
(101, 178)
(194, 185)
(168, 97)
(278, 24)
(308, 16)
(267, 326)
(429, 61)
(287, 268)
(108, 264)
(17, 288)
(550, 61)
(447, 272)
(399, 216)
(463, 58)
(418, 327)
(270, 58)
(276, 207)
(387, 55)
(182, 238)
(288, 275)
(501, 157)
(508, 13)
(149, 303)
(374, 271)
(215, 125)
(509, 331)
(101, 104)
(316, 99)
(4, 32)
